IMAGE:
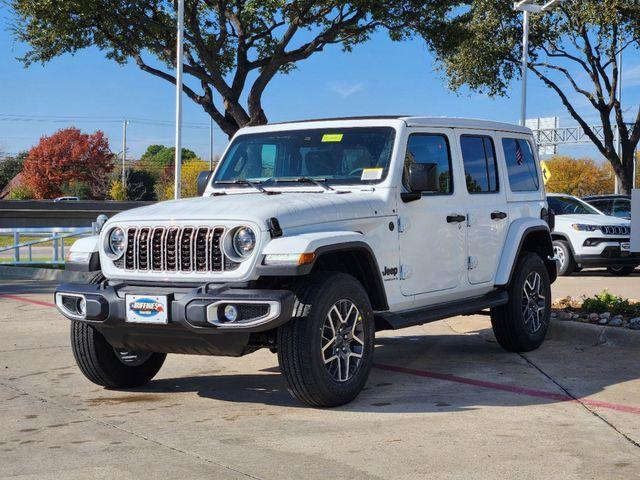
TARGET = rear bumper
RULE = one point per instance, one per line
(193, 324)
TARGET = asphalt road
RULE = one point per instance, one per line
(444, 402)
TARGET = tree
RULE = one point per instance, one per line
(10, 167)
(190, 170)
(579, 176)
(233, 47)
(66, 158)
(158, 157)
(572, 48)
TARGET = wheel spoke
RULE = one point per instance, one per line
(342, 340)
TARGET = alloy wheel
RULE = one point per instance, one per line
(558, 253)
(533, 303)
(342, 340)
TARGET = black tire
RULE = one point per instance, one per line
(512, 326)
(102, 365)
(621, 271)
(300, 341)
(562, 250)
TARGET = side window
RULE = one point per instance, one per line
(433, 149)
(479, 158)
(521, 166)
(605, 206)
(622, 208)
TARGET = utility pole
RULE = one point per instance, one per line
(179, 53)
(210, 143)
(528, 7)
(124, 154)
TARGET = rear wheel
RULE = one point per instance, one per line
(621, 271)
(564, 257)
(107, 366)
(326, 350)
(522, 324)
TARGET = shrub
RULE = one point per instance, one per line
(21, 193)
(607, 302)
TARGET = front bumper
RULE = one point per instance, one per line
(609, 256)
(193, 325)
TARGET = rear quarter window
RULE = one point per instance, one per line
(521, 165)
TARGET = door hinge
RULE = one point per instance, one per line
(405, 272)
(403, 224)
(472, 263)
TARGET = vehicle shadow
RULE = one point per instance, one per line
(443, 373)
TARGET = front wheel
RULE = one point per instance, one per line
(621, 271)
(564, 257)
(522, 324)
(326, 350)
(110, 367)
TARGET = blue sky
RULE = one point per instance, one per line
(379, 77)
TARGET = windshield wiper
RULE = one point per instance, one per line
(316, 181)
(242, 182)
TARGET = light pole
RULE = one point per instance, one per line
(179, 52)
(528, 7)
(616, 185)
(124, 154)
(210, 143)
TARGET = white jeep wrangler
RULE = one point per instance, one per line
(308, 238)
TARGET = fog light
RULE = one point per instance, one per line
(231, 313)
(82, 306)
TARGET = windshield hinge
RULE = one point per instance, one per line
(274, 227)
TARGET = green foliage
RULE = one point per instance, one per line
(159, 157)
(10, 167)
(607, 302)
(76, 188)
(141, 184)
(21, 193)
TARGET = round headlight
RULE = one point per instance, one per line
(117, 242)
(244, 241)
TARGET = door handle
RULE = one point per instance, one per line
(456, 218)
(498, 215)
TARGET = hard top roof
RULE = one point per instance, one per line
(417, 121)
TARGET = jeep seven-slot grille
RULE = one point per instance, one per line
(176, 249)
(616, 229)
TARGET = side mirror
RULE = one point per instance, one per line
(203, 181)
(423, 177)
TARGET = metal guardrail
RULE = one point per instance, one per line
(55, 235)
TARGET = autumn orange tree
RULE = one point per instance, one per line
(579, 176)
(69, 159)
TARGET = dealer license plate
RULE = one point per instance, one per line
(147, 308)
(625, 247)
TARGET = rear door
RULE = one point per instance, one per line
(486, 204)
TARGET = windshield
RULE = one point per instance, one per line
(570, 205)
(337, 155)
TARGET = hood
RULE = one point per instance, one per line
(292, 209)
(592, 219)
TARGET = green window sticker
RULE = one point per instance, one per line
(332, 137)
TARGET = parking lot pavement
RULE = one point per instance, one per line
(591, 282)
(444, 401)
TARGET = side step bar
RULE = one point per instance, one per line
(432, 313)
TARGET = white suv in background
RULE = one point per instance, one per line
(584, 237)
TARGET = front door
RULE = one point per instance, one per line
(486, 205)
(432, 229)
